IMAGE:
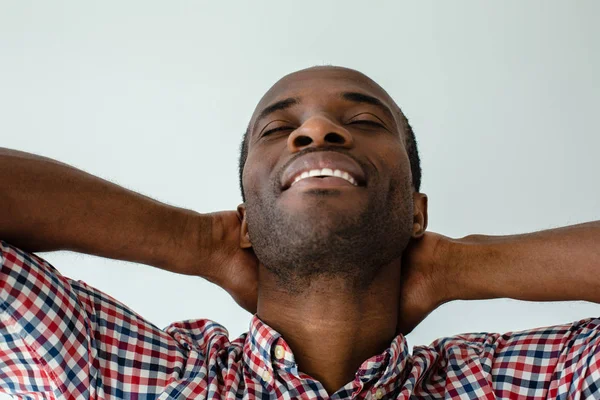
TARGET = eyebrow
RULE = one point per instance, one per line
(357, 97)
(277, 106)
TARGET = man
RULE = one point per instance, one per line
(329, 249)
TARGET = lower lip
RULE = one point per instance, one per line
(327, 182)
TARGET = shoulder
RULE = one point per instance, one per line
(569, 334)
(77, 335)
(546, 361)
(532, 345)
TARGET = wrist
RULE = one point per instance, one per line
(182, 241)
(468, 277)
(445, 287)
(201, 250)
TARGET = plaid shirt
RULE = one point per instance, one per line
(63, 339)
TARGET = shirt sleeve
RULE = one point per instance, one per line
(61, 338)
(560, 361)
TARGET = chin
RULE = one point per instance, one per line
(322, 201)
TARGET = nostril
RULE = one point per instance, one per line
(333, 137)
(302, 141)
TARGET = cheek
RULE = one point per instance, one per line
(257, 175)
(391, 160)
(395, 177)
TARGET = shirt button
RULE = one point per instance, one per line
(379, 394)
(279, 351)
(266, 376)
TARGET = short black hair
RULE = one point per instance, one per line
(411, 149)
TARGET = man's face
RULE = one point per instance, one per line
(353, 212)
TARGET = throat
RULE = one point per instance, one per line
(330, 327)
(333, 358)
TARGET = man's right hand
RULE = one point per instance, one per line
(217, 256)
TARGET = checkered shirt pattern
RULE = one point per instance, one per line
(62, 339)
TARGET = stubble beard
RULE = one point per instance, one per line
(325, 243)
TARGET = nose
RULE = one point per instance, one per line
(319, 131)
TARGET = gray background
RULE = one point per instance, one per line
(154, 96)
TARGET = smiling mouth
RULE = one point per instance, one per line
(338, 175)
(323, 169)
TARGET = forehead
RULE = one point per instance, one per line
(319, 83)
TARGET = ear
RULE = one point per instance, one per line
(244, 237)
(419, 214)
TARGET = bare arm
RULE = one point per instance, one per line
(551, 265)
(46, 205)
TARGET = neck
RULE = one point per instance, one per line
(331, 326)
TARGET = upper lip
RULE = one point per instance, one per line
(320, 160)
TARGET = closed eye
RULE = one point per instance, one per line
(281, 128)
(366, 122)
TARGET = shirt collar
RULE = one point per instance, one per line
(266, 350)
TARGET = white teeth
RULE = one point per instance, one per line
(325, 172)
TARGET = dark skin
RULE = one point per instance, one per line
(332, 326)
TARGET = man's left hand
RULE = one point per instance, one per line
(424, 267)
